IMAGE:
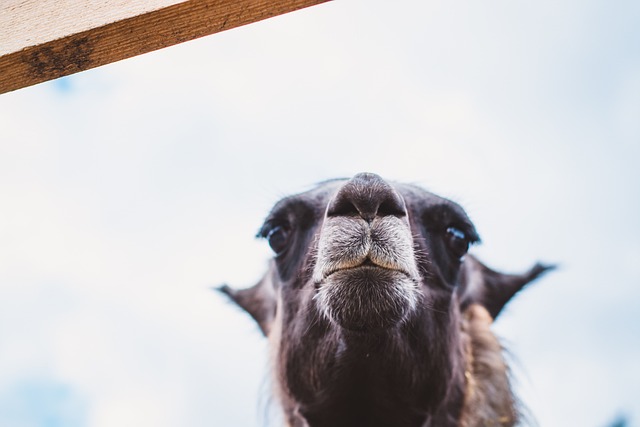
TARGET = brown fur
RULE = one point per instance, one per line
(489, 401)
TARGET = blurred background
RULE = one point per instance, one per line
(127, 191)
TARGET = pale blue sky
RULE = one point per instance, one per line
(128, 190)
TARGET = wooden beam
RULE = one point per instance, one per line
(42, 40)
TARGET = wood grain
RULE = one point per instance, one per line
(42, 40)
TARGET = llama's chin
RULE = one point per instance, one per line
(367, 298)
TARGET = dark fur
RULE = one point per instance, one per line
(432, 363)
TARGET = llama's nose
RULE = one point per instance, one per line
(367, 195)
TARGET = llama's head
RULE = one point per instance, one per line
(364, 265)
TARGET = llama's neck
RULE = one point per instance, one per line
(403, 377)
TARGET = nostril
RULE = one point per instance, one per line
(392, 206)
(342, 207)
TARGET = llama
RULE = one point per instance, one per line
(376, 315)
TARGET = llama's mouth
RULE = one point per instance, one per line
(348, 244)
(365, 274)
(366, 264)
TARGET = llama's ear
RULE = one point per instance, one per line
(481, 285)
(259, 301)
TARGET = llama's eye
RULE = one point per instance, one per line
(277, 238)
(457, 241)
